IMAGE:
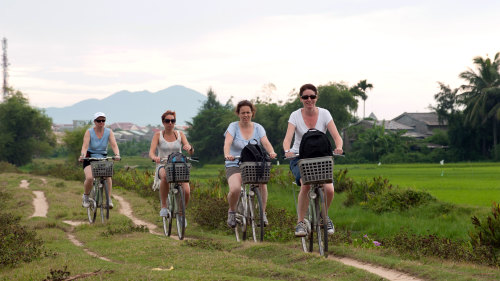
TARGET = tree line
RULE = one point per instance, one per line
(471, 111)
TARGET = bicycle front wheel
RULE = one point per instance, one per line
(241, 221)
(181, 212)
(167, 221)
(321, 226)
(92, 209)
(256, 215)
(106, 199)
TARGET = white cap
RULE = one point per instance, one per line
(99, 114)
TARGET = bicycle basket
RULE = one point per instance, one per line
(316, 170)
(102, 168)
(181, 172)
(250, 172)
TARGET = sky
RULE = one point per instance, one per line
(61, 52)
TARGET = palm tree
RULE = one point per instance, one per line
(482, 95)
(363, 86)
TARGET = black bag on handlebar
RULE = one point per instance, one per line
(177, 158)
(254, 152)
(315, 144)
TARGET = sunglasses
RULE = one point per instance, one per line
(169, 121)
(100, 120)
(313, 97)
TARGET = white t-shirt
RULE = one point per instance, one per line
(301, 128)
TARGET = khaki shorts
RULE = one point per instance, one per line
(231, 171)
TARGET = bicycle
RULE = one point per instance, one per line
(249, 210)
(177, 173)
(102, 168)
(316, 172)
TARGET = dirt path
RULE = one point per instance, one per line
(386, 273)
(75, 241)
(24, 184)
(41, 205)
(41, 208)
(126, 210)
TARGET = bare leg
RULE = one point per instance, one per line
(303, 201)
(89, 180)
(164, 188)
(187, 192)
(263, 193)
(329, 192)
(234, 183)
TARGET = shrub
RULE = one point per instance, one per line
(380, 196)
(342, 181)
(137, 181)
(6, 167)
(17, 244)
(398, 200)
(63, 171)
(487, 233)
(431, 245)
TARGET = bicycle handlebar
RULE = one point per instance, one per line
(102, 159)
(164, 160)
(334, 155)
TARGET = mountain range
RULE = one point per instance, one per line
(141, 108)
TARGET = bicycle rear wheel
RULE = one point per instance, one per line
(321, 228)
(256, 215)
(241, 221)
(181, 212)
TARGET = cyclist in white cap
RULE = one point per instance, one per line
(95, 144)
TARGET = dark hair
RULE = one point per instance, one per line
(168, 112)
(308, 87)
(245, 103)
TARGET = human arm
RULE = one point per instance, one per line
(185, 144)
(114, 145)
(227, 147)
(85, 145)
(152, 148)
(287, 141)
(336, 137)
(269, 148)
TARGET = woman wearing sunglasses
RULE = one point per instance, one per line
(168, 141)
(95, 144)
(309, 117)
(237, 136)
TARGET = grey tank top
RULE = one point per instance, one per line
(165, 148)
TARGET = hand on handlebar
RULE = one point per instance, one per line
(229, 157)
(273, 155)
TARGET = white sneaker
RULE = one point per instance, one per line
(85, 201)
(164, 212)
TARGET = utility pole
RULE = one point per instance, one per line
(5, 65)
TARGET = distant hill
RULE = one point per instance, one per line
(141, 108)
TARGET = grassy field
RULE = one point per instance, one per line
(475, 184)
(206, 255)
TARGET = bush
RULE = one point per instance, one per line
(487, 233)
(431, 245)
(6, 167)
(341, 181)
(380, 196)
(66, 171)
(398, 200)
(17, 244)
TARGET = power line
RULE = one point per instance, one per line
(5, 65)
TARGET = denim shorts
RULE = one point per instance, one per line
(294, 167)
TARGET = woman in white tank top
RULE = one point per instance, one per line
(166, 142)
